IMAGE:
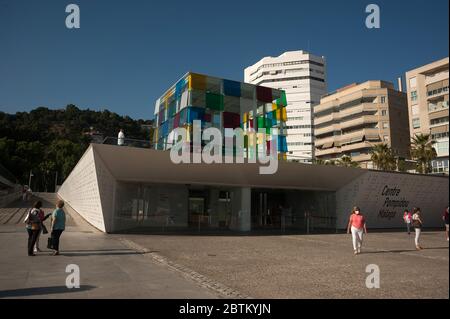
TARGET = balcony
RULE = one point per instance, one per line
(326, 140)
(368, 133)
(361, 158)
(328, 129)
(356, 146)
(326, 118)
(359, 109)
(328, 151)
(436, 107)
(366, 119)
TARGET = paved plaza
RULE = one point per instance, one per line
(313, 266)
(220, 266)
(108, 268)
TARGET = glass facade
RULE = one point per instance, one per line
(165, 208)
(221, 104)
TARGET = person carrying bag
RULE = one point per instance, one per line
(33, 226)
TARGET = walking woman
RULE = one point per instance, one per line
(357, 225)
(58, 225)
(34, 224)
(417, 224)
(407, 219)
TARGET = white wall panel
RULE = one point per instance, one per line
(430, 193)
(80, 190)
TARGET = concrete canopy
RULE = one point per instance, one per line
(145, 165)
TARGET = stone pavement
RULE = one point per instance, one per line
(312, 266)
(220, 266)
(108, 268)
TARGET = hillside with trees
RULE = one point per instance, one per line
(50, 142)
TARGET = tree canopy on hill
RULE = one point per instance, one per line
(48, 141)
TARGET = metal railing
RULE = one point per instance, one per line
(130, 142)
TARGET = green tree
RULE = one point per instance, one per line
(48, 141)
(383, 157)
(423, 152)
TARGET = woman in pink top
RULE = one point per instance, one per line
(357, 225)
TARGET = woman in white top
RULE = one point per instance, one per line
(417, 223)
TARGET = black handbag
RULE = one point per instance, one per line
(44, 229)
(50, 243)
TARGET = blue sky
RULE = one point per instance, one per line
(126, 53)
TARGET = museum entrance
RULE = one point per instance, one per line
(305, 211)
(267, 208)
(209, 208)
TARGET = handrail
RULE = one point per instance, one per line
(131, 142)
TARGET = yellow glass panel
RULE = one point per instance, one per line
(260, 138)
(283, 114)
(197, 81)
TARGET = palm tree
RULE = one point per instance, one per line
(423, 152)
(383, 157)
(346, 161)
(318, 161)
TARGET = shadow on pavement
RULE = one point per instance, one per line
(94, 252)
(99, 253)
(401, 250)
(36, 291)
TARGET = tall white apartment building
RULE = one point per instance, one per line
(303, 77)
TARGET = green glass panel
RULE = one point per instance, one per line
(261, 122)
(214, 101)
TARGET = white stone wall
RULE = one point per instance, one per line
(386, 210)
(106, 185)
(81, 191)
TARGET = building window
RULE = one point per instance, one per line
(439, 121)
(414, 96)
(385, 125)
(440, 166)
(441, 148)
(386, 138)
(438, 136)
(415, 109)
(383, 112)
(383, 100)
(416, 123)
(413, 82)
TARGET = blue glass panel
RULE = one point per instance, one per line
(232, 88)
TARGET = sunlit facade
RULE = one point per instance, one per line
(223, 104)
